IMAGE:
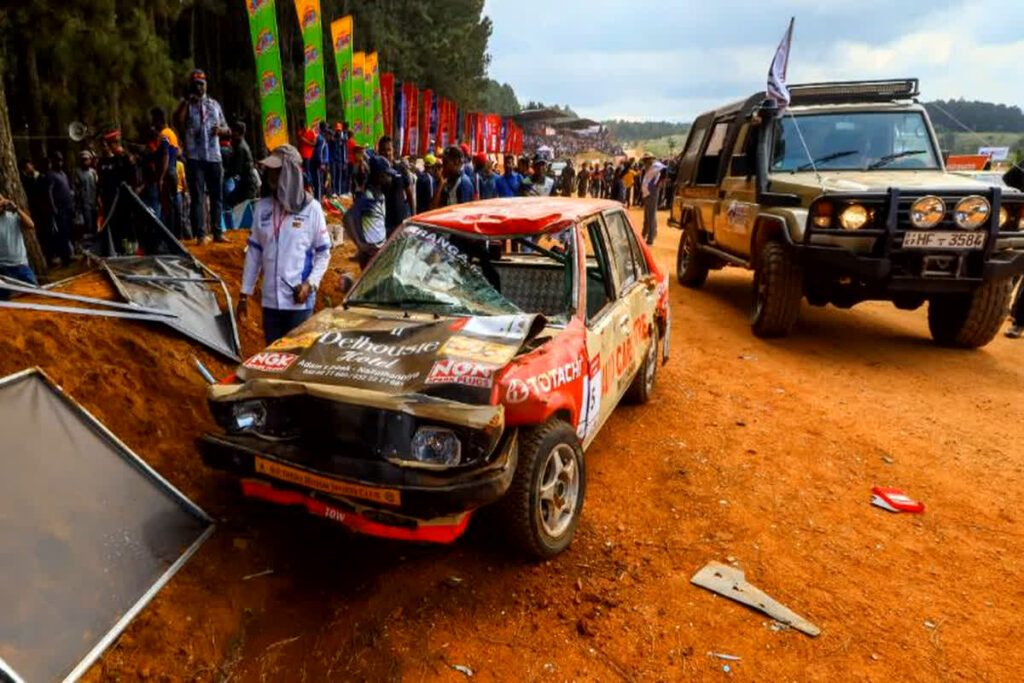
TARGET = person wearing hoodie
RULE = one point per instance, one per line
(289, 244)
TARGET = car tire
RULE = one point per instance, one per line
(969, 321)
(778, 290)
(541, 510)
(642, 386)
(692, 264)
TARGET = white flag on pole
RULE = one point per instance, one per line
(778, 91)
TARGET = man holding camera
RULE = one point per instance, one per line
(13, 256)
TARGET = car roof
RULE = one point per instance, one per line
(514, 215)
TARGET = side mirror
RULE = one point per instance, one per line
(741, 166)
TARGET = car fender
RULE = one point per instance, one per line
(547, 381)
(785, 225)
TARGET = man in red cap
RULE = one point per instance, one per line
(485, 181)
(202, 119)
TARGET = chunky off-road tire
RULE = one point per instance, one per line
(778, 289)
(692, 264)
(967, 321)
(642, 386)
(541, 510)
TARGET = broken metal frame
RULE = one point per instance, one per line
(6, 284)
(134, 460)
(124, 315)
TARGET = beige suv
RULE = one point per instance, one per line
(845, 198)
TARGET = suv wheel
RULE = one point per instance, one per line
(691, 264)
(778, 289)
(642, 386)
(541, 510)
(968, 321)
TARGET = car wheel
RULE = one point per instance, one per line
(691, 264)
(778, 289)
(541, 510)
(642, 387)
(968, 321)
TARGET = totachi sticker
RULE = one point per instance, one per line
(466, 372)
(271, 361)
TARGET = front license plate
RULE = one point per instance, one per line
(921, 239)
(345, 489)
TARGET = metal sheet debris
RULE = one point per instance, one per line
(731, 583)
(89, 533)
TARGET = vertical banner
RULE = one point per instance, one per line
(414, 120)
(467, 129)
(435, 128)
(377, 97)
(442, 123)
(481, 134)
(493, 133)
(426, 106)
(263, 28)
(387, 102)
(357, 98)
(404, 117)
(368, 59)
(453, 122)
(308, 12)
(341, 39)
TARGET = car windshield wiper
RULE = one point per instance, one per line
(882, 161)
(827, 157)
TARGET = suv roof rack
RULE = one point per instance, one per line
(853, 91)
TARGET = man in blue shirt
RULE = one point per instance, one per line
(457, 188)
(426, 183)
(13, 256)
(484, 180)
(507, 184)
(202, 119)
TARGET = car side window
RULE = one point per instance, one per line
(741, 165)
(624, 251)
(707, 168)
(600, 290)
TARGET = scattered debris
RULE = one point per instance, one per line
(731, 583)
(549, 668)
(463, 669)
(888, 460)
(722, 655)
(726, 668)
(286, 641)
(453, 581)
(746, 356)
(929, 625)
(895, 500)
(265, 572)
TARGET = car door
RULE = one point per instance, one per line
(601, 324)
(705, 183)
(636, 296)
(734, 222)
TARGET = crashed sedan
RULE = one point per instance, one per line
(471, 365)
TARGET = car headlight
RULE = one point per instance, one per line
(854, 217)
(249, 415)
(435, 446)
(927, 212)
(823, 214)
(971, 212)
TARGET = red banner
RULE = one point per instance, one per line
(481, 135)
(387, 102)
(425, 122)
(442, 122)
(414, 120)
(493, 133)
(467, 129)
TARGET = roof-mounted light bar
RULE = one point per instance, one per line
(854, 91)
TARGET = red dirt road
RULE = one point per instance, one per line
(761, 453)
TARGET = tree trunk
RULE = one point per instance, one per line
(10, 183)
(36, 127)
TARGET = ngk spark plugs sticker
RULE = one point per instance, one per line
(271, 361)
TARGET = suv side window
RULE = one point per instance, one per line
(741, 165)
(707, 169)
(692, 151)
(624, 251)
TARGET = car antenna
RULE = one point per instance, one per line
(807, 151)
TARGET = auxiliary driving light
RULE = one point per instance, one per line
(927, 211)
(971, 212)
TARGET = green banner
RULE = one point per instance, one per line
(314, 93)
(378, 108)
(369, 65)
(263, 27)
(341, 38)
(358, 108)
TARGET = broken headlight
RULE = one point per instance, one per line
(248, 416)
(435, 447)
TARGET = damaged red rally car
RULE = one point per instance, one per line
(471, 365)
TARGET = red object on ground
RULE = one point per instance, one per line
(895, 500)
(446, 531)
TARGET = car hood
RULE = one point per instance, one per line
(875, 181)
(423, 364)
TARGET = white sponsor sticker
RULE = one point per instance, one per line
(467, 372)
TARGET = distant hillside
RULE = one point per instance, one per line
(987, 116)
(664, 147)
(627, 131)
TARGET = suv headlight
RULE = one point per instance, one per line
(927, 212)
(854, 217)
(971, 212)
(435, 446)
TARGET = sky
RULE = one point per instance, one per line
(673, 59)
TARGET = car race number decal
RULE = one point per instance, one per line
(323, 484)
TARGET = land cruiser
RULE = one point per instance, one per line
(844, 198)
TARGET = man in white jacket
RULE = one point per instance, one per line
(289, 244)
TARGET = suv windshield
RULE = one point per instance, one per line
(435, 271)
(854, 141)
